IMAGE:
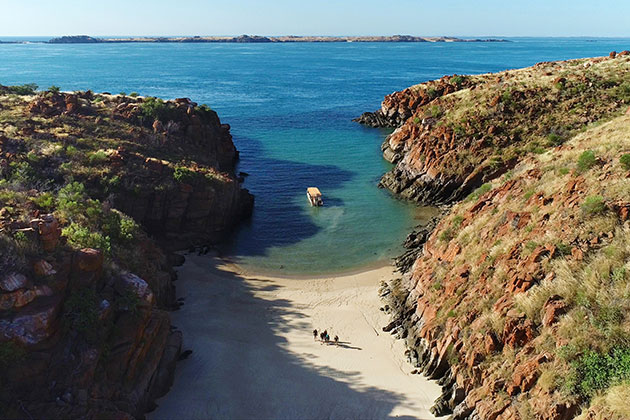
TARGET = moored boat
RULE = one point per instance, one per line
(314, 196)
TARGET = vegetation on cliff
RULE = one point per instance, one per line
(455, 134)
(518, 301)
(85, 179)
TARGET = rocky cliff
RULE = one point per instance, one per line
(84, 290)
(516, 302)
(455, 134)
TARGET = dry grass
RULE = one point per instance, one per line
(611, 405)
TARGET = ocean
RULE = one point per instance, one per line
(290, 107)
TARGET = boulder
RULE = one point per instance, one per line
(43, 268)
(553, 309)
(88, 259)
(23, 297)
(517, 332)
(129, 282)
(87, 268)
(49, 231)
(32, 324)
(13, 281)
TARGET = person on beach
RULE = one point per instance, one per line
(326, 337)
(322, 335)
(336, 340)
(315, 335)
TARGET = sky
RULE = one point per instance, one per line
(605, 18)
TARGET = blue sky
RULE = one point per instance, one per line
(322, 17)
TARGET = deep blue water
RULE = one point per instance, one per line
(290, 107)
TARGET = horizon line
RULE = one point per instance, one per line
(323, 36)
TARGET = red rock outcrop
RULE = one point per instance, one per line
(446, 144)
(484, 305)
(124, 361)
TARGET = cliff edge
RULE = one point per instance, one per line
(516, 301)
(96, 191)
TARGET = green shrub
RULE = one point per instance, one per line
(45, 201)
(82, 237)
(457, 80)
(20, 237)
(554, 139)
(475, 195)
(531, 246)
(593, 204)
(184, 175)
(153, 108)
(435, 111)
(586, 161)
(623, 91)
(22, 174)
(98, 157)
(625, 161)
(432, 93)
(81, 312)
(563, 248)
(447, 234)
(71, 198)
(33, 157)
(54, 89)
(204, 108)
(119, 227)
(134, 94)
(594, 371)
(457, 221)
(27, 89)
(71, 151)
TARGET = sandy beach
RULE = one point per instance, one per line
(254, 355)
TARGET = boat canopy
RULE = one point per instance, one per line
(313, 192)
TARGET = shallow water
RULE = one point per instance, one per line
(290, 107)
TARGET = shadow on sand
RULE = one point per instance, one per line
(240, 366)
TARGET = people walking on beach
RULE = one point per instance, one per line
(327, 337)
(315, 335)
(322, 335)
(336, 340)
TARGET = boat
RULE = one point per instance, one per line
(314, 196)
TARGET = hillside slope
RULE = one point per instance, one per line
(517, 302)
(84, 290)
(454, 134)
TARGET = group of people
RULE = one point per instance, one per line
(324, 337)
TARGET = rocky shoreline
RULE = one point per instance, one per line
(476, 299)
(85, 292)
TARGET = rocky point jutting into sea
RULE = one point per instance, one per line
(516, 300)
(85, 292)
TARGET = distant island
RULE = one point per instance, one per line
(84, 39)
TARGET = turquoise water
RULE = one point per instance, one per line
(290, 107)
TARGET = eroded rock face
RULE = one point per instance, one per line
(399, 106)
(435, 302)
(447, 143)
(202, 211)
(114, 369)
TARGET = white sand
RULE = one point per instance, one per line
(254, 355)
